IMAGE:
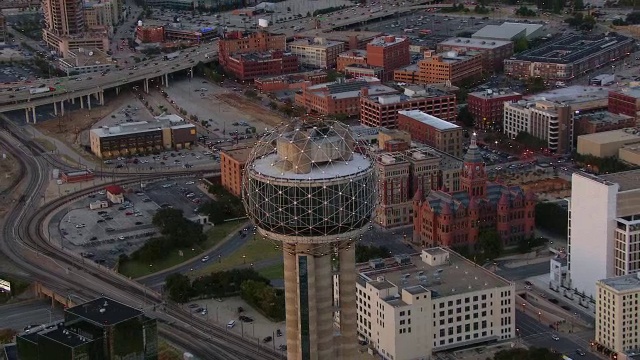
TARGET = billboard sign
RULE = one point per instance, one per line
(5, 286)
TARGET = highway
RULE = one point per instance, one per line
(24, 242)
(32, 312)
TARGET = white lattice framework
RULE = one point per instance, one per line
(304, 183)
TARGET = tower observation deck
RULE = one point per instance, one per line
(306, 187)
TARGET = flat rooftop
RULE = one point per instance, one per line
(628, 180)
(429, 119)
(507, 30)
(630, 91)
(156, 124)
(383, 41)
(267, 166)
(623, 283)
(475, 43)
(573, 94)
(104, 311)
(603, 117)
(66, 337)
(457, 277)
(181, 26)
(453, 56)
(351, 89)
(620, 135)
(343, 36)
(572, 48)
(447, 162)
(354, 53)
(316, 43)
(239, 154)
(493, 94)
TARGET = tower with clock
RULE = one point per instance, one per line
(474, 177)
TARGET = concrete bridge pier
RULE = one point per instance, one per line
(73, 100)
(166, 80)
(33, 112)
(62, 107)
(191, 73)
(101, 97)
(89, 102)
(55, 108)
(26, 115)
(118, 90)
(81, 102)
(146, 86)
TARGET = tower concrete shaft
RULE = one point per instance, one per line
(310, 307)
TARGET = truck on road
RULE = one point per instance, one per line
(41, 90)
(172, 55)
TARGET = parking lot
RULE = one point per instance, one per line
(15, 73)
(105, 233)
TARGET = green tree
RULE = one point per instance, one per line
(633, 18)
(552, 218)
(578, 5)
(521, 44)
(178, 286)
(465, 117)
(365, 253)
(490, 243)
(535, 85)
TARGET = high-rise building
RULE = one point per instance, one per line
(232, 167)
(412, 306)
(487, 107)
(456, 218)
(97, 330)
(305, 187)
(65, 27)
(617, 313)
(604, 228)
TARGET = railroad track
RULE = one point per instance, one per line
(25, 242)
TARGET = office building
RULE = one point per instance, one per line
(352, 40)
(382, 110)
(235, 42)
(617, 313)
(487, 107)
(352, 57)
(603, 228)
(150, 34)
(142, 137)
(449, 67)
(99, 329)
(317, 53)
(247, 66)
(403, 171)
(546, 120)
(568, 57)
(340, 97)
(232, 167)
(390, 53)
(625, 101)
(102, 14)
(591, 123)
(65, 28)
(411, 306)
(580, 98)
(607, 143)
(432, 131)
(509, 31)
(85, 61)
(358, 71)
(493, 51)
(306, 187)
(456, 218)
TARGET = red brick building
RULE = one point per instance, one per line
(389, 53)
(592, 123)
(247, 66)
(625, 101)
(77, 176)
(452, 219)
(487, 107)
(493, 51)
(351, 57)
(289, 82)
(382, 110)
(430, 130)
(150, 34)
(238, 42)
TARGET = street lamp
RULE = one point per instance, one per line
(244, 259)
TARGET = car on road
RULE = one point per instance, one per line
(190, 183)
(246, 319)
(80, 226)
(528, 283)
(555, 337)
(120, 237)
(581, 352)
(205, 259)
(267, 339)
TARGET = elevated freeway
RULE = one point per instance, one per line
(25, 242)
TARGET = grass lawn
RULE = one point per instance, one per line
(273, 272)
(168, 352)
(253, 251)
(46, 144)
(135, 269)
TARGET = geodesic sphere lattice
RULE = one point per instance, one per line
(305, 180)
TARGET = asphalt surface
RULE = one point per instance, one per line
(536, 334)
(523, 272)
(33, 312)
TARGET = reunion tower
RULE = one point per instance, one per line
(306, 187)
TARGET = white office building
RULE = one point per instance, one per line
(412, 306)
(604, 228)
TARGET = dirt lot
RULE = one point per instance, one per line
(9, 170)
(74, 122)
(247, 106)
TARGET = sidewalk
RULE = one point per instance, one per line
(541, 282)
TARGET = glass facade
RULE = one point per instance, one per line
(303, 280)
(312, 208)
